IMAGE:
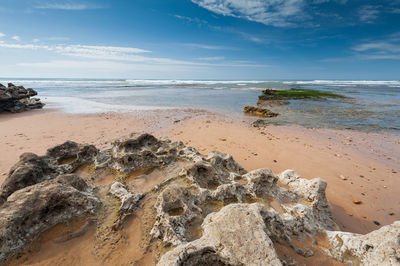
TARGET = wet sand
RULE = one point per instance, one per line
(356, 165)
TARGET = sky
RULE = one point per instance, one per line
(200, 39)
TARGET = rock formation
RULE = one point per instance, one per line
(253, 110)
(16, 99)
(192, 209)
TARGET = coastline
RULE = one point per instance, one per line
(324, 153)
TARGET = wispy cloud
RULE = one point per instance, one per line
(388, 48)
(211, 58)
(207, 46)
(369, 13)
(278, 13)
(67, 6)
(113, 53)
(199, 22)
(2, 35)
(16, 38)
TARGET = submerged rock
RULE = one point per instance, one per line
(204, 210)
(260, 123)
(16, 99)
(253, 110)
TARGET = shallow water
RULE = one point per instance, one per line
(371, 106)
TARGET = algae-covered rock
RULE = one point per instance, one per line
(253, 110)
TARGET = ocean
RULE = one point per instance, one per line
(371, 106)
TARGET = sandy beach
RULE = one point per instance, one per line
(357, 166)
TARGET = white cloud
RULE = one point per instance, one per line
(388, 48)
(16, 38)
(212, 58)
(113, 53)
(280, 13)
(35, 40)
(206, 46)
(66, 6)
(2, 35)
(368, 13)
(381, 46)
(199, 22)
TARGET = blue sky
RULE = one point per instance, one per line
(201, 39)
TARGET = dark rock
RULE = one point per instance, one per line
(259, 111)
(260, 123)
(17, 99)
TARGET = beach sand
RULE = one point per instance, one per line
(369, 162)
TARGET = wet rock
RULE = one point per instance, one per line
(259, 111)
(34, 209)
(357, 202)
(17, 99)
(260, 123)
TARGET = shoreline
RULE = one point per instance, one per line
(325, 153)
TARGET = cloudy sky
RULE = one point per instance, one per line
(200, 39)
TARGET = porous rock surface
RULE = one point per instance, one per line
(34, 209)
(210, 212)
(16, 99)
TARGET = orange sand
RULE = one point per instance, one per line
(311, 152)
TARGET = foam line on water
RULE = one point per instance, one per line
(74, 105)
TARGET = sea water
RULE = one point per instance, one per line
(370, 106)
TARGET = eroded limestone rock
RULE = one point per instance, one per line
(30, 211)
(208, 209)
(229, 237)
(129, 201)
(380, 247)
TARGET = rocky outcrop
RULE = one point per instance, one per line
(30, 211)
(258, 111)
(33, 169)
(229, 237)
(16, 99)
(129, 201)
(380, 247)
(205, 210)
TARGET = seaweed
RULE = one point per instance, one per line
(296, 93)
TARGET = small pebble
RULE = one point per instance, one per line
(275, 161)
(391, 214)
(361, 176)
(356, 201)
(222, 139)
(343, 177)
(377, 223)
